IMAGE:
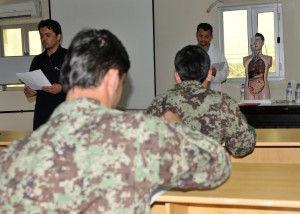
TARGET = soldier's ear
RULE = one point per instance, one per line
(112, 80)
(205, 83)
(209, 75)
(177, 77)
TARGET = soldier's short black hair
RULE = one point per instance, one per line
(192, 63)
(50, 24)
(90, 55)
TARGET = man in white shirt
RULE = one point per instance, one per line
(220, 69)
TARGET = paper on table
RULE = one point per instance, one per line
(256, 102)
(219, 65)
(34, 79)
(158, 192)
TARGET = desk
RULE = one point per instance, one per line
(279, 114)
(7, 136)
(275, 146)
(251, 188)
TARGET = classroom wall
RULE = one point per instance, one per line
(175, 27)
(130, 20)
(16, 100)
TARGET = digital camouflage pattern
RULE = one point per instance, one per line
(212, 113)
(91, 159)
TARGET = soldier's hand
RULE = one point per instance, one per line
(171, 117)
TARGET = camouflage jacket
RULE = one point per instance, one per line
(212, 113)
(91, 159)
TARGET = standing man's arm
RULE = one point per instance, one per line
(53, 89)
(220, 74)
(29, 92)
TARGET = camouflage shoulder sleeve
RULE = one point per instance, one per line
(238, 135)
(156, 107)
(190, 159)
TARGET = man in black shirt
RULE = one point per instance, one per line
(50, 62)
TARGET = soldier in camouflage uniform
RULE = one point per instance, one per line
(90, 158)
(212, 113)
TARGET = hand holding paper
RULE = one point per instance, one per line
(35, 79)
(54, 89)
(29, 92)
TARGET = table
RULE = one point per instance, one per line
(276, 145)
(259, 188)
(278, 114)
(7, 136)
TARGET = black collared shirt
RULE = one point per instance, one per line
(47, 102)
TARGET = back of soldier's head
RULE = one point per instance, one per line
(192, 63)
(90, 55)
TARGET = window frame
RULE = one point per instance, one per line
(25, 28)
(252, 11)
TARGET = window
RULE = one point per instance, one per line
(20, 40)
(239, 23)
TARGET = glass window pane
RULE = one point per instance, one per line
(266, 28)
(12, 39)
(35, 47)
(235, 41)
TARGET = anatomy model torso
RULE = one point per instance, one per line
(256, 68)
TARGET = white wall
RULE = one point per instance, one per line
(132, 22)
(175, 27)
(16, 100)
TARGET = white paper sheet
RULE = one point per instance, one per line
(158, 192)
(34, 79)
(257, 101)
(219, 65)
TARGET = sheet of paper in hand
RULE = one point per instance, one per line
(34, 79)
(219, 65)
